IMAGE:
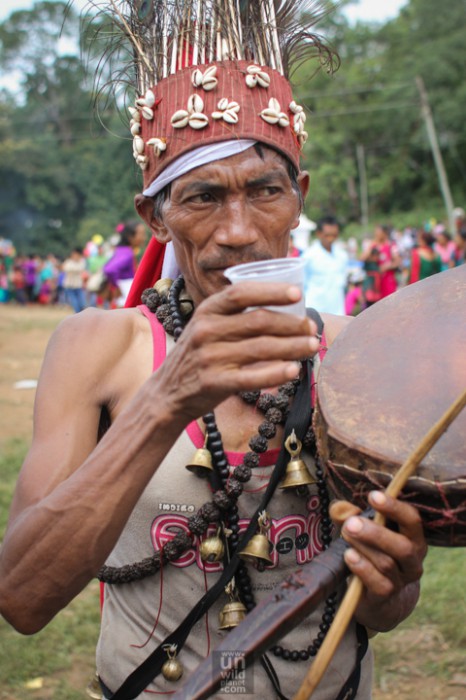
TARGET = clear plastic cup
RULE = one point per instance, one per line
(290, 270)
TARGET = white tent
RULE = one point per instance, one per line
(302, 234)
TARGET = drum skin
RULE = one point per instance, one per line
(386, 380)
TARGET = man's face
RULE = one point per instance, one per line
(328, 235)
(232, 211)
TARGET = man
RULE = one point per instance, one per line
(117, 421)
(326, 272)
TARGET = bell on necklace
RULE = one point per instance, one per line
(232, 614)
(163, 286)
(93, 689)
(201, 462)
(257, 550)
(172, 670)
(297, 474)
(212, 548)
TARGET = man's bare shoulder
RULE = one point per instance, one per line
(97, 341)
(102, 331)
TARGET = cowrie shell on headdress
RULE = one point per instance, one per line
(197, 120)
(257, 76)
(283, 119)
(138, 144)
(134, 114)
(149, 98)
(135, 128)
(180, 119)
(147, 113)
(274, 104)
(223, 104)
(206, 80)
(141, 102)
(233, 107)
(195, 104)
(302, 137)
(160, 145)
(270, 116)
(230, 116)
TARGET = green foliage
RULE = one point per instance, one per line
(65, 154)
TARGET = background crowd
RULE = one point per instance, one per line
(98, 274)
(342, 276)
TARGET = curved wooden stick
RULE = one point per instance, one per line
(355, 589)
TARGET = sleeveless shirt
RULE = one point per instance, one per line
(137, 616)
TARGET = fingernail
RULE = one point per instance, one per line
(378, 498)
(352, 556)
(354, 525)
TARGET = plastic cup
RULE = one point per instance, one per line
(290, 270)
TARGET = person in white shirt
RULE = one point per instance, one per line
(326, 269)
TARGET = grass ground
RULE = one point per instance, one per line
(425, 657)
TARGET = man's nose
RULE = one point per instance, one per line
(236, 226)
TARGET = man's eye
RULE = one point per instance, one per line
(267, 191)
(202, 198)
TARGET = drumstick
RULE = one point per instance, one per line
(355, 588)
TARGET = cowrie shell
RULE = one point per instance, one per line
(198, 120)
(210, 72)
(141, 102)
(274, 104)
(142, 159)
(303, 136)
(283, 119)
(158, 144)
(263, 80)
(195, 104)
(196, 78)
(134, 114)
(254, 70)
(180, 119)
(233, 107)
(135, 128)
(270, 116)
(251, 81)
(138, 143)
(149, 98)
(230, 117)
(209, 84)
(217, 115)
(223, 104)
(147, 113)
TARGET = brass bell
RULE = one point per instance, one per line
(201, 462)
(231, 615)
(163, 286)
(297, 474)
(93, 689)
(257, 550)
(212, 548)
(172, 670)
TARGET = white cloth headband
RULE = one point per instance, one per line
(194, 159)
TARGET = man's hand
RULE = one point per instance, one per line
(223, 350)
(388, 561)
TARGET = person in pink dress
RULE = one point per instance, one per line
(384, 251)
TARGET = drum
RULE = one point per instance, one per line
(387, 378)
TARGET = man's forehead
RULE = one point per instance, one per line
(250, 163)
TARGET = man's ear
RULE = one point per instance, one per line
(303, 184)
(145, 208)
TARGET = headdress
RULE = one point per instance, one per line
(213, 71)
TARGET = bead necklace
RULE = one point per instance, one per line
(173, 308)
